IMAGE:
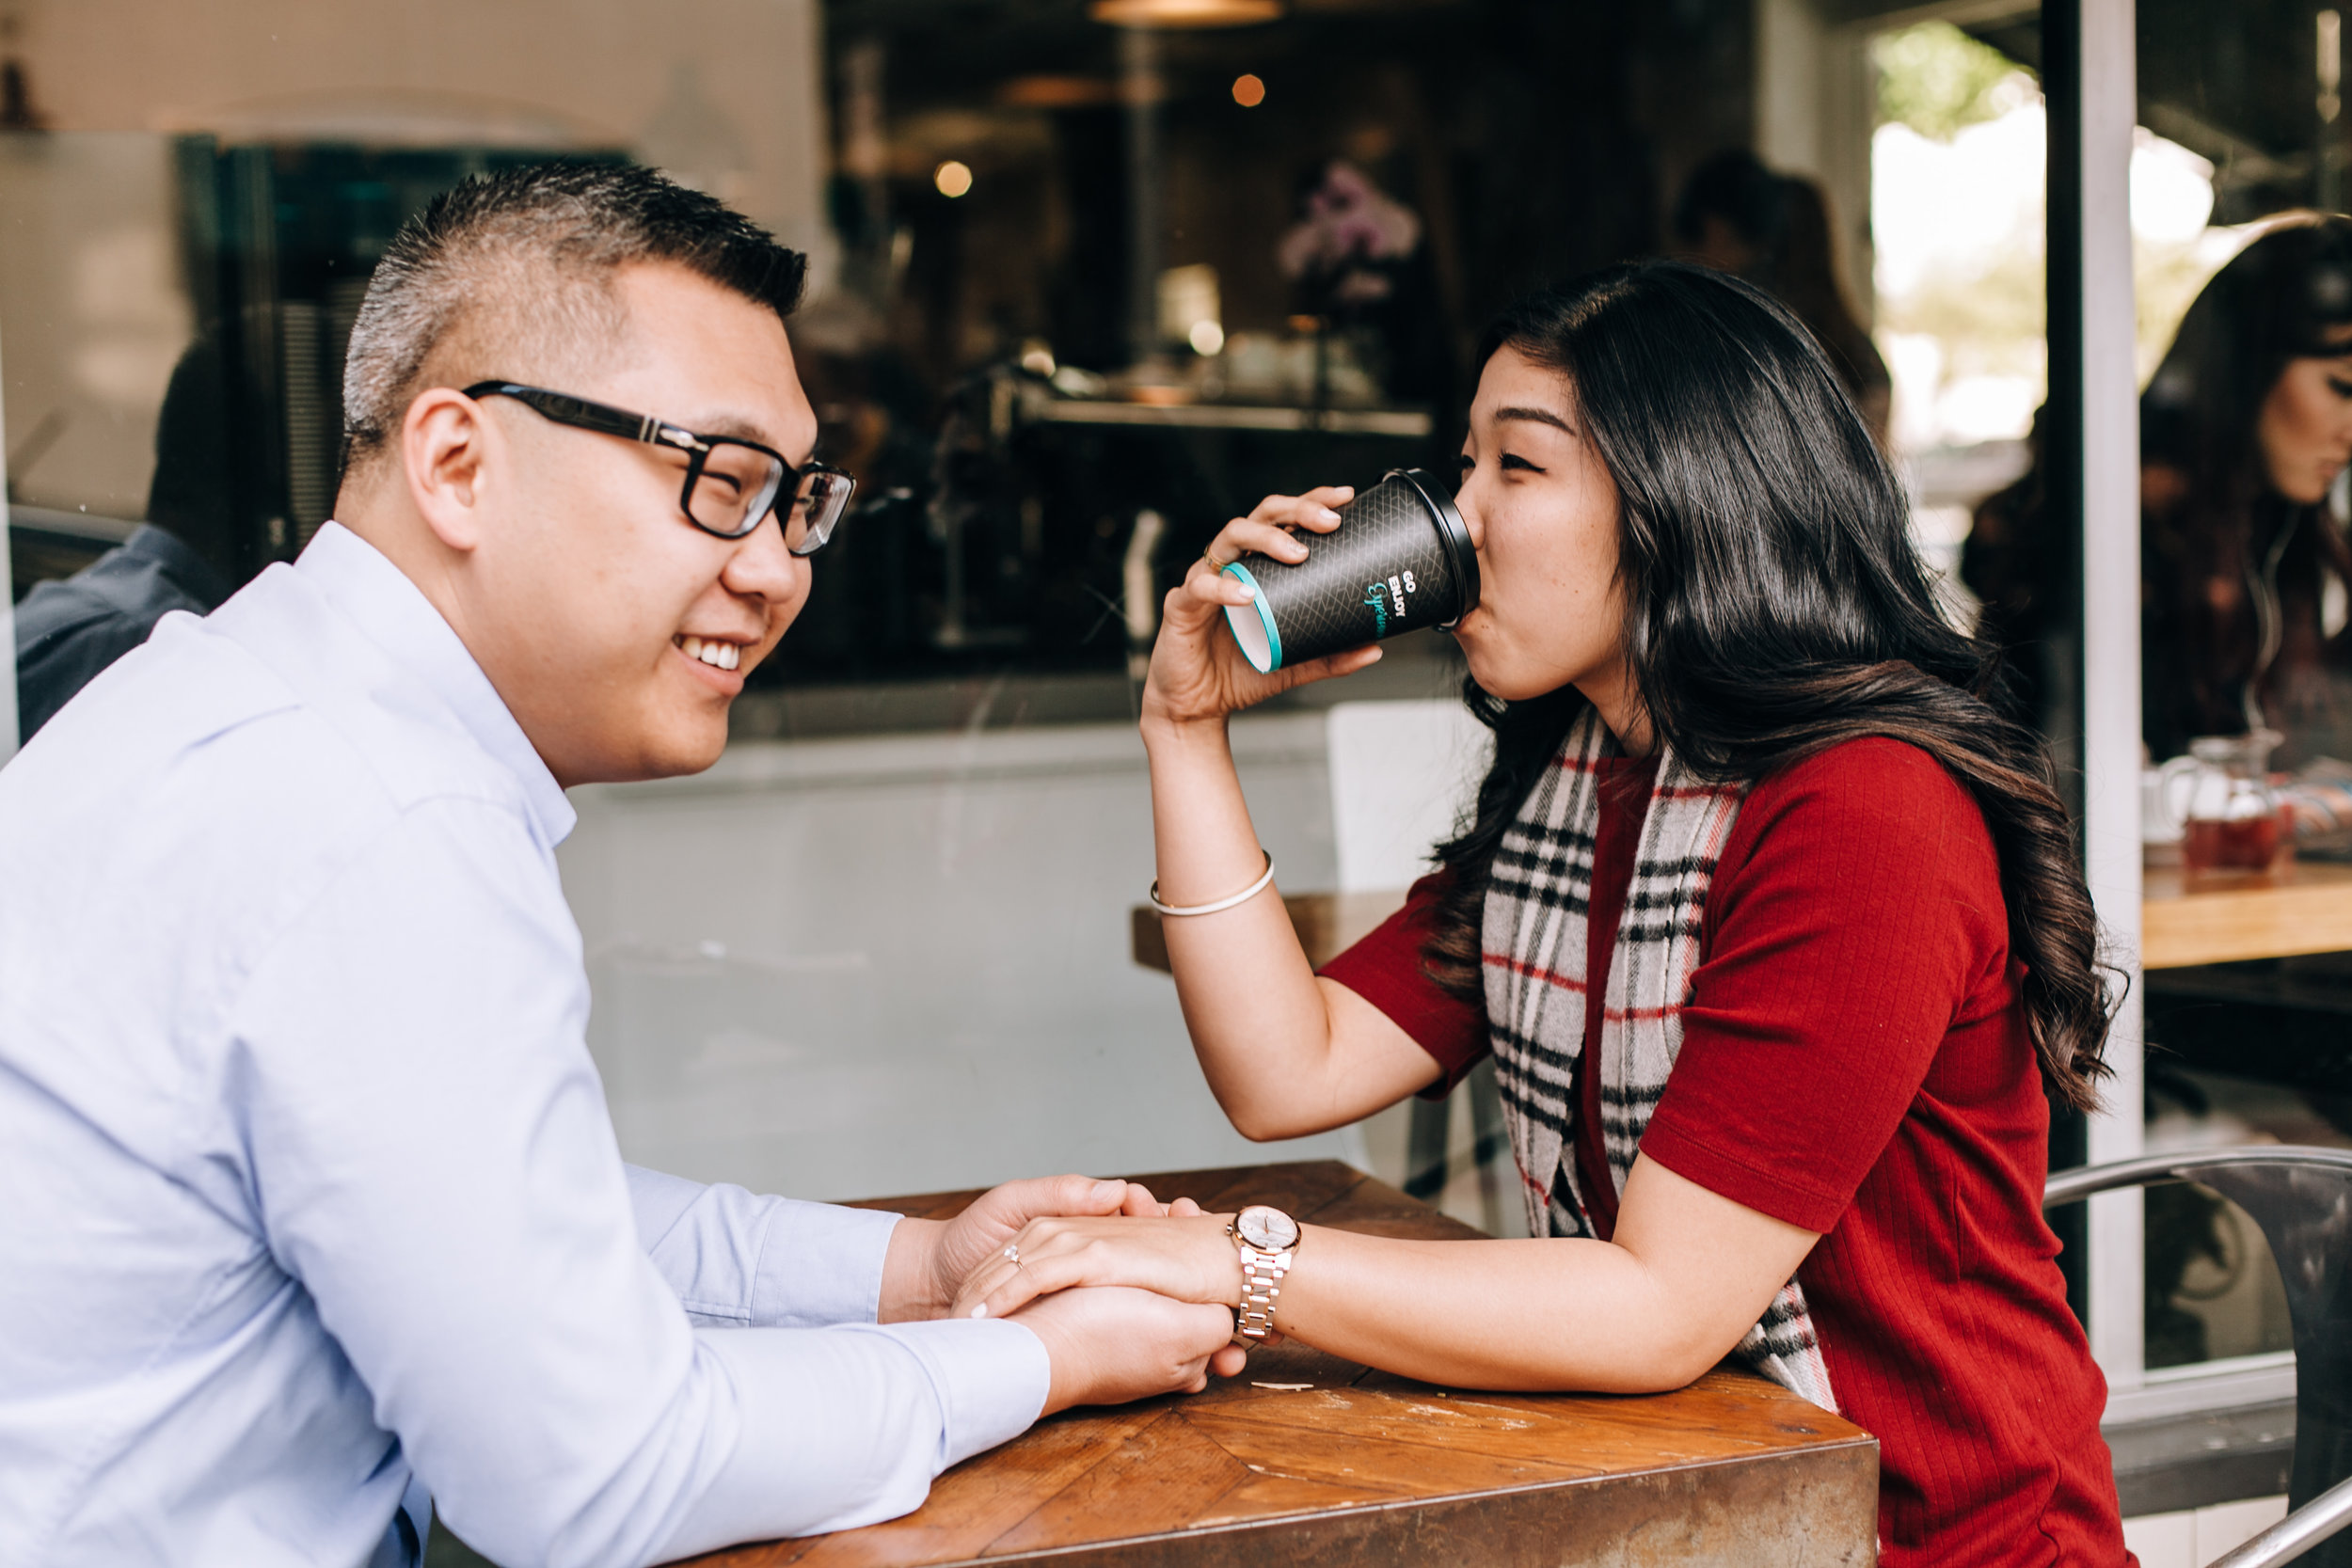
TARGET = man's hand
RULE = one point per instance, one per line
(1111, 1345)
(929, 1259)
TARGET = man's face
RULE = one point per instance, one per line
(589, 586)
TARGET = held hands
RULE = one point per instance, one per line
(979, 1235)
(1106, 1346)
(1185, 1257)
(1196, 673)
(1112, 1345)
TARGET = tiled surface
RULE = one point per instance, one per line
(2193, 1538)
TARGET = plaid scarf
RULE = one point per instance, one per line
(1534, 941)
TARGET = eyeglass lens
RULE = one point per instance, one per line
(734, 488)
(817, 506)
(732, 494)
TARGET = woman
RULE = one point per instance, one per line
(1770, 920)
(2244, 430)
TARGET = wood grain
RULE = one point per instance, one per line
(1309, 1459)
(2307, 910)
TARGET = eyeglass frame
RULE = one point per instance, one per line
(604, 420)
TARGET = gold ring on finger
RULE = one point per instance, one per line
(1209, 555)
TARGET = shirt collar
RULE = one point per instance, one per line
(396, 616)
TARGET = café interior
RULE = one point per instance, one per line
(1090, 277)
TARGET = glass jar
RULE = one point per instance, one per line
(2233, 823)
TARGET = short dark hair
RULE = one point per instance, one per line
(520, 265)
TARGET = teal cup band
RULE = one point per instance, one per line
(1254, 624)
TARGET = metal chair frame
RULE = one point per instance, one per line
(2301, 1197)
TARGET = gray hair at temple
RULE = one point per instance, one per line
(510, 276)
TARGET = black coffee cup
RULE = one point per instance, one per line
(1399, 561)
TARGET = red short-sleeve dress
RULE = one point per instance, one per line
(1855, 1061)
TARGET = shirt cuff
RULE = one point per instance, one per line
(742, 1260)
(991, 1384)
(847, 1426)
(818, 1264)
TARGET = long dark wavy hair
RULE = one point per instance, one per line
(2235, 570)
(1774, 607)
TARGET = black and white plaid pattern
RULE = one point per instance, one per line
(1534, 943)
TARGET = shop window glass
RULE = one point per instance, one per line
(2245, 420)
(2239, 147)
(1080, 293)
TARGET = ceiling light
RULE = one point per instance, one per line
(952, 178)
(1249, 91)
(1185, 13)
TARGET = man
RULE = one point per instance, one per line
(311, 1192)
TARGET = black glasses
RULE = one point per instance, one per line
(731, 485)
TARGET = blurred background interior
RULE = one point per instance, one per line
(1088, 278)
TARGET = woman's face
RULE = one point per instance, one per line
(1542, 510)
(2306, 425)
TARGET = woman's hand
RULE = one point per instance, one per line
(929, 1260)
(1187, 1257)
(1198, 674)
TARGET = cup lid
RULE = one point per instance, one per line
(1439, 501)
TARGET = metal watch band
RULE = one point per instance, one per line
(1260, 1287)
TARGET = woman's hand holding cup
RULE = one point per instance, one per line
(1198, 674)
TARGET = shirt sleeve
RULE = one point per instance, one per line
(1862, 911)
(736, 1259)
(1384, 969)
(431, 1157)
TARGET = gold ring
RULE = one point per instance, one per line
(1208, 553)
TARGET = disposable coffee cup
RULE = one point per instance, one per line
(1399, 561)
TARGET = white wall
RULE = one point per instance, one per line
(1815, 101)
(93, 312)
(843, 968)
(726, 94)
(601, 72)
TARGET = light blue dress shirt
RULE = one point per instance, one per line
(308, 1190)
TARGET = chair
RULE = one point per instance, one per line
(2302, 1199)
(1401, 774)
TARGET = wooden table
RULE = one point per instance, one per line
(1308, 1459)
(2308, 910)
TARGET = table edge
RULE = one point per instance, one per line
(1390, 1505)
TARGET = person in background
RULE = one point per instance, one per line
(315, 1205)
(1358, 260)
(1771, 926)
(1774, 229)
(184, 557)
(2245, 429)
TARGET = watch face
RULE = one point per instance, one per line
(1267, 1229)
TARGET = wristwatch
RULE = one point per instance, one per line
(1267, 1240)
